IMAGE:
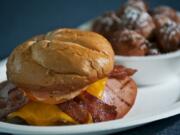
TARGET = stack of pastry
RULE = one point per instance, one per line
(136, 30)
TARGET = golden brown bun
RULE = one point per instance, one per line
(62, 62)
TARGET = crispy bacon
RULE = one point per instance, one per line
(11, 99)
(120, 72)
(85, 104)
(99, 110)
(75, 110)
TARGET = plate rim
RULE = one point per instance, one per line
(90, 128)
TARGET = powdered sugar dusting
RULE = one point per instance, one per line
(133, 16)
(169, 30)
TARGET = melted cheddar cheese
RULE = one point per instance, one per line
(37, 113)
(96, 89)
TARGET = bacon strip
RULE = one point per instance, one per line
(85, 104)
(11, 99)
(75, 110)
(120, 72)
(99, 110)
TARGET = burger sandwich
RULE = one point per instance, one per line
(66, 76)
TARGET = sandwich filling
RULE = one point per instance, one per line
(38, 113)
(106, 99)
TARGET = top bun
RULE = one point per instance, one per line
(64, 62)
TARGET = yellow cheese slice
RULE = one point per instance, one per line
(96, 89)
(36, 113)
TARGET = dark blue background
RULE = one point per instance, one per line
(22, 19)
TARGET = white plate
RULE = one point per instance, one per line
(152, 103)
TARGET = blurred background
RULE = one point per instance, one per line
(22, 19)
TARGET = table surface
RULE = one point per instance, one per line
(20, 20)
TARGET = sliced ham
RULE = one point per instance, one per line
(121, 94)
